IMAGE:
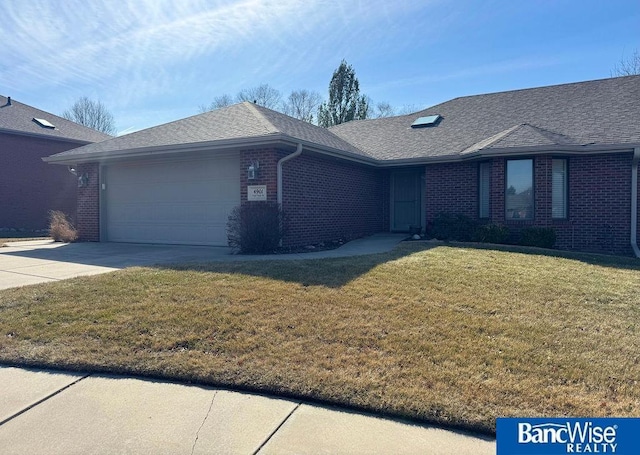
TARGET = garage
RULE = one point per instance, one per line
(170, 201)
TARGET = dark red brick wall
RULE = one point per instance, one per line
(88, 222)
(451, 188)
(599, 204)
(599, 207)
(386, 199)
(267, 174)
(29, 187)
(326, 199)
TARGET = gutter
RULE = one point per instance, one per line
(298, 152)
(280, 162)
(634, 201)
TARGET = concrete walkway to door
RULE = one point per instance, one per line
(41, 261)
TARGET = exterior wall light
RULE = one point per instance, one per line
(83, 180)
(252, 171)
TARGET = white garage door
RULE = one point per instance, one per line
(173, 202)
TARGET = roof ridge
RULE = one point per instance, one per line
(270, 127)
(561, 84)
(484, 143)
(552, 135)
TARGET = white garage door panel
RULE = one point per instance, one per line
(180, 202)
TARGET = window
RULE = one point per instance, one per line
(559, 188)
(484, 187)
(430, 120)
(519, 190)
(44, 123)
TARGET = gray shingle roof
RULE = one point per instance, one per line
(18, 117)
(603, 112)
(595, 113)
(237, 122)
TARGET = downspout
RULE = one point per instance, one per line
(279, 177)
(634, 201)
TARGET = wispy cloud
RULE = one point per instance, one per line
(78, 42)
(488, 69)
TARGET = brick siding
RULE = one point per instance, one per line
(599, 205)
(326, 199)
(267, 174)
(88, 222)
(29, 187)
(449, 186)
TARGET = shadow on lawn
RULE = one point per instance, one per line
(329, 272)
(336, 272)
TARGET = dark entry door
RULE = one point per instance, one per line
(406, 200)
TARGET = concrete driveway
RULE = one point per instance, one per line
(41, 261)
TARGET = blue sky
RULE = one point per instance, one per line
(154, 61)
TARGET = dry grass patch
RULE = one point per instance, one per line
(454, 335)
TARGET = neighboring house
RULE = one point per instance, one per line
(30, 188)
(563, 156)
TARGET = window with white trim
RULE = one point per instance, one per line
(484, 189)
(519, 190)
(559, 188)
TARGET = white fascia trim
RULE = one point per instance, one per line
(45, 136)
(512, 152)
(272, 140)
(142, 152)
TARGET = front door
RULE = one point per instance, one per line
(406, 200)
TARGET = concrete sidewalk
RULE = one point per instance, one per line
(46, 412)
(41, 261)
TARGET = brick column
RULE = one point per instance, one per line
(88, 218)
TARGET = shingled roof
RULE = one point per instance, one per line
(238, 124)
(584, 116)
(599, 113)
(18, 118)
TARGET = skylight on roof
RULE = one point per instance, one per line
(44, 123)
(426, 121)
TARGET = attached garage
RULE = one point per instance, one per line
(180, 201)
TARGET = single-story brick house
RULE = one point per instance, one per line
(30, 188)
(563, 156)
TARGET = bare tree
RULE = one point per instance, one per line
(383, 109)
(627, 66)
(92, 114)
(264, 95)
(218, 102)
(302, 104)
(409, 109)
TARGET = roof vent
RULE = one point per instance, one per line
(430, 120)
(8, 103)
(44, 123)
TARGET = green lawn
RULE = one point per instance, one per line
(456, 335)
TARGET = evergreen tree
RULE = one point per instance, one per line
(345, 102)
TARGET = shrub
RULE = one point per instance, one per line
(60, 227)
(537, 236)
(255, 228)
(450, 226)
(491, 233)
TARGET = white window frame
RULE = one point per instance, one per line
(484, 190)
(522, 215)
(559, 188)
